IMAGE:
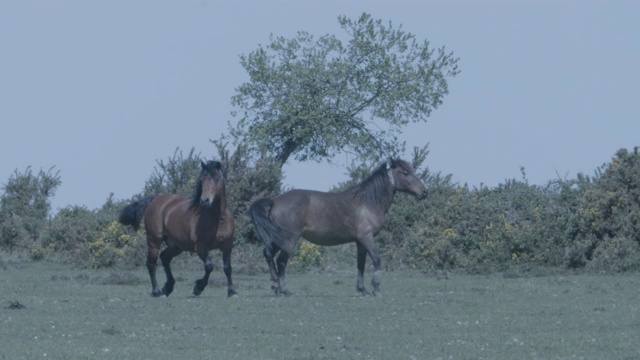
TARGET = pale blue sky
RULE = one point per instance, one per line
(102, 89)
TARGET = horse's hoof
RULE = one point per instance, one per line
(167, 289)
(232, 293)
(157, 293)
(363, 292)
(199, 287)
(276, 289)
(377, 293)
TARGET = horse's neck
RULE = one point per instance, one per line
(385, 200)
(387, 204)
(214, 211)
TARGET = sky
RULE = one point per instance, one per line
(102, 90)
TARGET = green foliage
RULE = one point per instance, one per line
(72, 227)
(25, 205)
(607, 222)
(69, 233)
(616, 254)
(177, 175)
(308, 257)
(586, 222)
(116, 245)
(565, 223)
(311, 97)
(482, 229)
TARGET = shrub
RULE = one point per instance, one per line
(308, 257)
(72, 227)
(616, 254)
(117, 245)
(175, 176)
(25, 205)
(606, 222)
(438, 249)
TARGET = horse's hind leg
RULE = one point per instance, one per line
(166, 255)
(268, 255)
(282, 260)
(226, 261)
(152, 259)
(200, 284)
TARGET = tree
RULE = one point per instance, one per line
(311, 98)
(25, 205)
(606, 225)
(177, 175)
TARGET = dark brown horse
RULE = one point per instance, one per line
(199, 224)
(332, 219)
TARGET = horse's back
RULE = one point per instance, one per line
(289, 209)
(320, 217)
(166, 203)
(300, 201)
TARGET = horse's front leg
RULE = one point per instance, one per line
(361, 260)
(226, 261)
(370, 247)
(166, 255)
(377, 271)
(200, 284)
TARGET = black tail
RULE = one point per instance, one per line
(269, 232)
(133, 213)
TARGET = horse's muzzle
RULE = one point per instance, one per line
(423, 194)
(206, 202)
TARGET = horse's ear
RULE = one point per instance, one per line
(393, 163)
(203, 165)
(218, 165)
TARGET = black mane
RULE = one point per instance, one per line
(376, 188)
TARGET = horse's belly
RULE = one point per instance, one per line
(327, 238)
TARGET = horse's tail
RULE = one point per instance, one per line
(133, 213)
(268, 232)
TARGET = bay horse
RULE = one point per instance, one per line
(353, 215)
(198, 224)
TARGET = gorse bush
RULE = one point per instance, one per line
(590, 222)
(24, 206)
(117, 245)
(308, 256)
(606, 222)
(514, 224)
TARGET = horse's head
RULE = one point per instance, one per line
(405, 179)
(210, 183)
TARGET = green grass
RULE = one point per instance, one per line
(102, 314)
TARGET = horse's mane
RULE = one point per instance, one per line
(376, 188)
(208, 168)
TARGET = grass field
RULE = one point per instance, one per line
(101, 314)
